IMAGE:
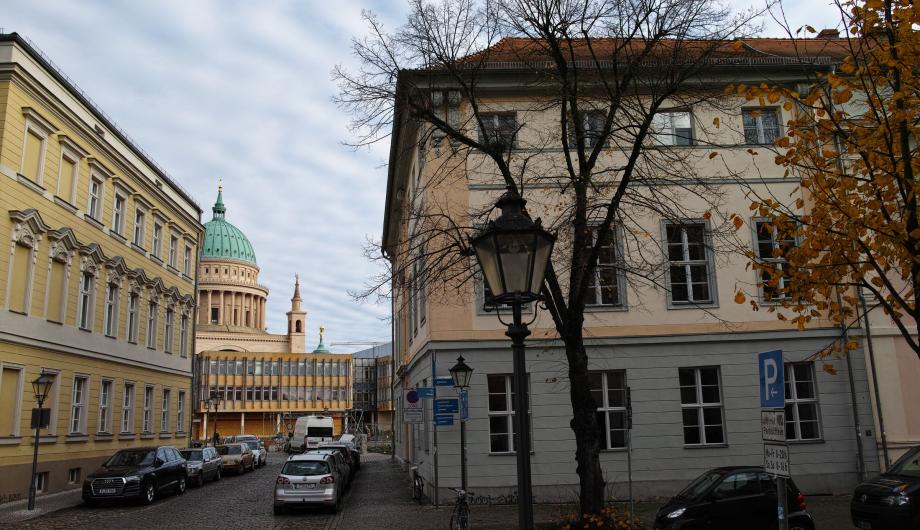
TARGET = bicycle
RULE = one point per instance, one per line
(460, 518)
(418, 484)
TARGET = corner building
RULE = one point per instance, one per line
(97, 282)
(265, 380)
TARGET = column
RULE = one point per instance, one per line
(203, 435)
(221, 314)
(210, 304)
(242, 423)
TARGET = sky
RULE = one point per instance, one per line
(241, 91)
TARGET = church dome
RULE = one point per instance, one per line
(222, 240)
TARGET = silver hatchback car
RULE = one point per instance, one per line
(309, 480)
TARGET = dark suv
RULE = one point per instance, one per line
(140, 473)
(890, 501)
(729, 498)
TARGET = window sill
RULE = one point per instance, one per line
(93, 221)
(509, 453)
(606, 308)
(681, 306)
(138, 248)
(806, 442)
(103, 437)
(172, 269)
(147, 436)
(64, 203)
(118, 237)
(10, 440)
(156, 258)
(19, 312)
(134, 342)
(85, 329)
(31, 184)
(54, 322)
(165, 434)
(614, 450)
(76, 438)
(706, 446)
(110, 336)
(47, 439)
(127, 436)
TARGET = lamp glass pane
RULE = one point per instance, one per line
(541, 260)
(515, 250)
(488, 262)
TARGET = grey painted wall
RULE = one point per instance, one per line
(660, 461)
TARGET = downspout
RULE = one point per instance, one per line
(193, 406)
(861, 462)
(878, 398)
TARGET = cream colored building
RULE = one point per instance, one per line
(265, 380)
(97, 282)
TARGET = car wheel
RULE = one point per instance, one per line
(180, 486)
(277, 510)
(149, 493)
(217, 475)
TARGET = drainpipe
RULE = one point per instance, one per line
(878, 398)
(861, 462)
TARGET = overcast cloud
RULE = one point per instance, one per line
(241, 91)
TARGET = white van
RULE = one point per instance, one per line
(310, 431)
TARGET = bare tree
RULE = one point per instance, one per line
(598, 171)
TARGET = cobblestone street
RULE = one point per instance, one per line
(379, 499)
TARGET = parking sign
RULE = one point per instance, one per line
(772, 387)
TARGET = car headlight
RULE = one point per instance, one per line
(676, 513)
(194, 465)
(133, 478)
(896, 500)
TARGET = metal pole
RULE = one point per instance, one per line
(463, 455)
(632, 503)
(517, 331)
(878, 397)
(434, 385)
(861, 462)
(783, 503)
(38, 428)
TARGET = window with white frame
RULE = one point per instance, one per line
(187, 261)
(86, 300)
(157, 245)
(94, 207)
(21, 275)
(772, 247)
(180, 412)
(672, 128)
(152, 325)
(164, 411)
(690, 271)
(134, 301)
(499, 129)
(173, 250)
(183, 338)
(802, 412)
(609, 392)
(701, 406)
(593, 123)
(41, 482)
(148, 408)
(605, 285)
(761, 126)
(110, 324)
(34, 147)
(127, 409)
(140, 221)
(68, 172)
(11, 392)
(118, 214)
(78, 405)
(501, 413)
(105, 407)
(168, 335)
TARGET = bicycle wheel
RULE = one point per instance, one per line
(460, 519)
(417, 491)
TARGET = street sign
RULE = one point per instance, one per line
(772, 386)
(444, 381)
(41, 418)
(444, 419)
(446, 406)
(773, 425)
(426, 392)
(412, 407)
(776, 459)
(464, 405)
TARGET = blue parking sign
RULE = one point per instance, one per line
(772, 385)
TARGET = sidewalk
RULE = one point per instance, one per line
(16, 512)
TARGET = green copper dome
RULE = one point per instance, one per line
(222, 239)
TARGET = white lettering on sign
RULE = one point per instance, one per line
(776, 459)
(773, 425)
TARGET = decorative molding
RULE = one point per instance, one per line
(101, 170)
(38, 119)
(75, 148)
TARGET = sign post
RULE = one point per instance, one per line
(412, 407)
(773, 427)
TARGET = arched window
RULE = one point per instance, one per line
(297, 326)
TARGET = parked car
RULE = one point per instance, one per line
(349, 451)
(340, 461)
(140, 473)
(259, 454)
(307, 480)
(890, 501)
(236, 457)
(202, 463)
(729, 498)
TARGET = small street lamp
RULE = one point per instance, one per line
(214, 401)
(461, 373)
(40, 416)
(513, 253)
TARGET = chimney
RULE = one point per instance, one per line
(828, 33)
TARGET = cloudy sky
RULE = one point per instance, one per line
(241, 90)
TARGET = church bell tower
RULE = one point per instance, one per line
(297, 321)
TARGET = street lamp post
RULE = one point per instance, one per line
(461, 373)
(213, 403)
(513, 253)
(41, 386)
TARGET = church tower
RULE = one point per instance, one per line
(297, 321)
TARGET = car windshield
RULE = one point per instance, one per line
(317, 432)
(229, 450)
(191, 455)
(138, 457)
(908, 465)
(252, 445)
(700, 485)
(305, 468)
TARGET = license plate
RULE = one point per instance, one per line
(304, 486)
(865, 525)
(107, 491)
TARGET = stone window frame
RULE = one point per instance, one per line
(44, 129)
(105, 409)
(81, 405)
(64, 247)
(709, 260)
(127, 407)
(17, 407)
(73, 152)
(28, 231)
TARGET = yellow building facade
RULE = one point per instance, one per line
(97, 282)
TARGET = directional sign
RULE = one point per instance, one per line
(772, 387)
(412, 407)
(426, 392)
(444, 381)
(776, 459)
(444, 419)
(773, 425)
(464, 405)
(446, 406)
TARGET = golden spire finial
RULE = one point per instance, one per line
(220, 184)
(321, 330)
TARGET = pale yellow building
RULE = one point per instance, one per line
(265, 380)
(97, 282)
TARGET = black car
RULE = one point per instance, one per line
(348, 450)
(140, 473)
(890, 501)
(729, 498)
